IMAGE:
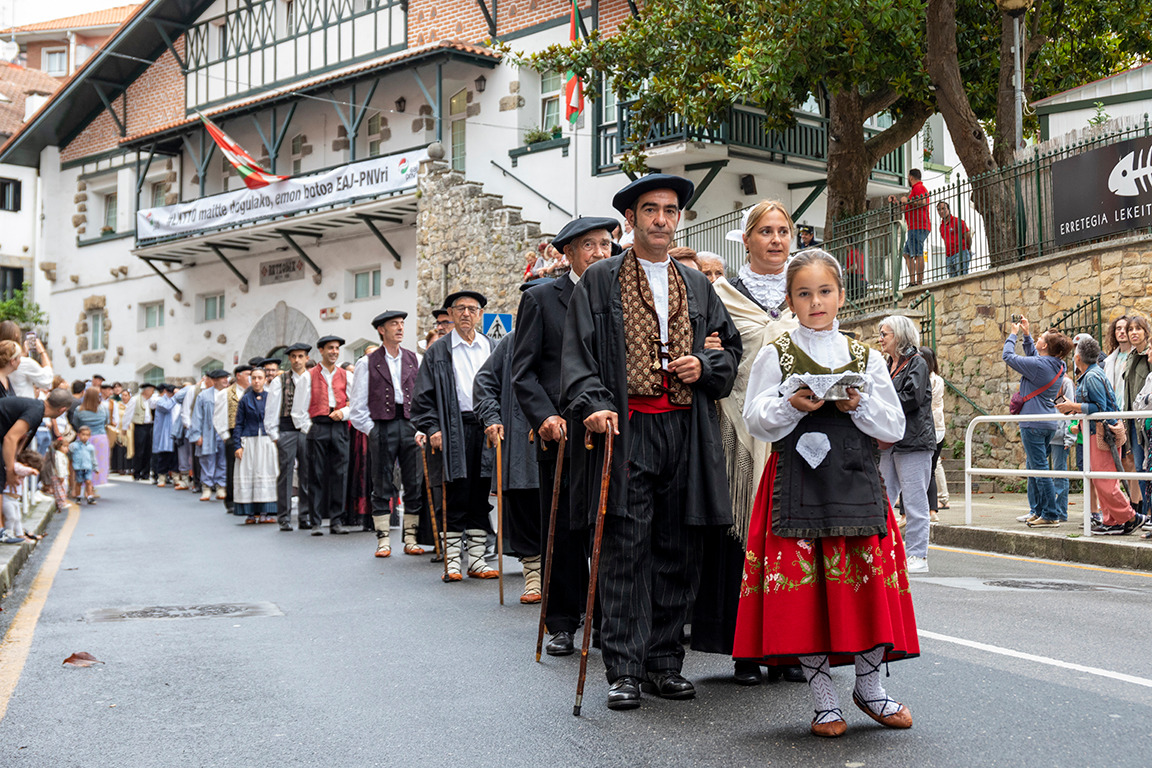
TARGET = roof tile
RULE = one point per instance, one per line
(104, 18)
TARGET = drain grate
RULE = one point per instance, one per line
(1053, 586)
(216, 610)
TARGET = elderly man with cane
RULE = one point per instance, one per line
(636, 370)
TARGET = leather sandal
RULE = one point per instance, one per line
(901, 718)
(383, 552)
(831, 729)
(413, 549)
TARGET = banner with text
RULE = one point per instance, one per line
(1104, 191)
(366, 178)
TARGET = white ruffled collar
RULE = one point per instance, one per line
(818, 337)
(769, 290)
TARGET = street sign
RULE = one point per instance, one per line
(497, 325)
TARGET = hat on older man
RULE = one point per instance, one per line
(451, 298)
(219, 373)
(582, 226)
(626, 198)
(383, 317)
(328, 340)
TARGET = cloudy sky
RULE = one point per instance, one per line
(16, 12)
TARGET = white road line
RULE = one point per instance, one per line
(1038, 659)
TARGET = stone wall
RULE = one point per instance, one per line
(972, 322)
(467, 240)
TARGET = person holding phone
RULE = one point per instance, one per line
(29, 375)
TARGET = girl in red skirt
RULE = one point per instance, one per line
(825, 580)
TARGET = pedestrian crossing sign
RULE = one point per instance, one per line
(496, 325)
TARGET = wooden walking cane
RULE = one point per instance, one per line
(597, 538)
(500, 517)
(444, 510)
(551, 544)
(432, 504)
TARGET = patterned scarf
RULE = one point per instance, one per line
(642, 333)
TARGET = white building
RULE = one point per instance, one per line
(336, 87)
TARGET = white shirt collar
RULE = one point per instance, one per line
(458, 340)
(389, 355)
(575, 277)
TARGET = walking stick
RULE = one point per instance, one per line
(432, 504)
(500, 518)
(551, 544)
(594, 570)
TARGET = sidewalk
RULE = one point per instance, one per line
(994, 529)
(13, 556)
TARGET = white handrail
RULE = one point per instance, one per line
(1085, 473)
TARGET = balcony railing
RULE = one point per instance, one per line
(744, 127)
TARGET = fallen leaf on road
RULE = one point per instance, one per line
(81, 659)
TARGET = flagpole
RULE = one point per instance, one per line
(576, 168)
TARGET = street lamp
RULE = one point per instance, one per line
(1016, 9)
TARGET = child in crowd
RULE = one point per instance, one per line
(825, 577)
(83, 455)
(28, 463)
(60, 469)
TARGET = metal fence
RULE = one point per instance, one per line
(1018, 225)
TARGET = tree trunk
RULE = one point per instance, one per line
(991, 196)
(1004, 144)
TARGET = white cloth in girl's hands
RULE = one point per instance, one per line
(824, 386)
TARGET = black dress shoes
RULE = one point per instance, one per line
(624, 693)
(747, 673)
(560, 645)
(793, 674)
(669, 685)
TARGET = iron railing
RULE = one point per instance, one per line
(805, 141)
(1085, 317)
(871, 245)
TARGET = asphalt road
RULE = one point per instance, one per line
(366, 662)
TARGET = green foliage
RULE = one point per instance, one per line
(1101, 116)
(535, 134)
(21, 310)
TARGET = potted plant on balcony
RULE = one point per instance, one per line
(107, 230)
(535, 135)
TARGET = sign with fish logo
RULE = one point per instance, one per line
(1102, 192)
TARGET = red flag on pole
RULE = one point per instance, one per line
(254, 176)
(573, 88)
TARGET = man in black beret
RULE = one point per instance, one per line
(443, 322)
(536, 364)
(636, 371)
(208, 442)
(290, 391)
(442, 410)
(139, 413)
(328, 438)
(383, 386)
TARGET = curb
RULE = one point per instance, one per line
(1111, 553)
(13, 556)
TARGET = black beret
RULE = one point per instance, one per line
(270, 361)
(384, 317)
(327, 340)
(439, 313)
(241, 369)
(255, 361)
(218, 374)
(299, 347)
(97, 376)
(452, 297)
(582, 226)
(105, 385)
(147, 384)
(625, 198)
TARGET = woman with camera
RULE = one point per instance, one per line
(1041, 368)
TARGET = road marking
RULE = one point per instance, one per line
(18, 642)
(1041, 562)
(1038, 659)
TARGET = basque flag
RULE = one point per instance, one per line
(254, 176)
(573, 88)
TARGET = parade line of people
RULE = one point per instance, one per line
(743, 494)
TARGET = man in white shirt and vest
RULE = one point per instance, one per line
(328, 438)
(442, 410)
(291, 445)
(383, 385)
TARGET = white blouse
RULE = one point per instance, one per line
(770, 417)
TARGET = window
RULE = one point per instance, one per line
(608, 101)
(289, 18)
(366, 284)
(374, 126)
(550, 85)
(361, 349)
(153, 314)
(209, 365)
(11, 280)
(9, 195)
(222, 33)
(96, 330)
(54, 61)
(458, 110)
(213, 307)
(110, 212)
(152, 375)
(159, 192)
(297, 152)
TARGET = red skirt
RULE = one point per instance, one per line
(839, 595)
